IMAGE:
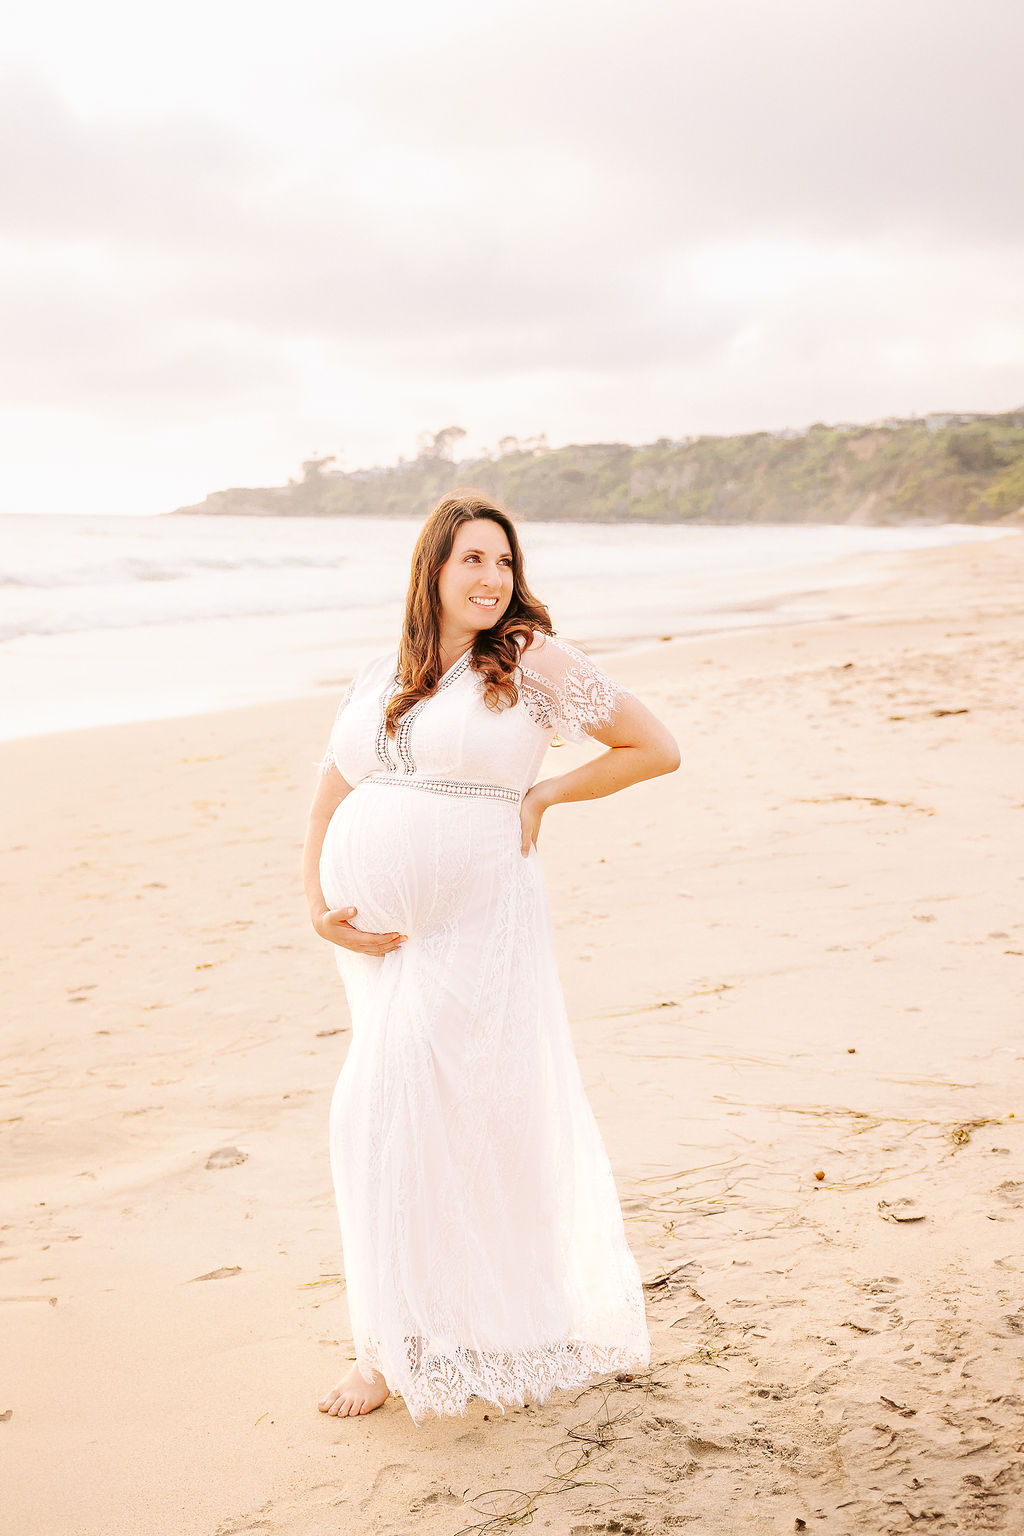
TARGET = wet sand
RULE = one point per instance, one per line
(795, 973)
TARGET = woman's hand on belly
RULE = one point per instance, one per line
(336, 927)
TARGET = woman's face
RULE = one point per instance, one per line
(475, 583)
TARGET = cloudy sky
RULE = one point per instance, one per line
(232, 235)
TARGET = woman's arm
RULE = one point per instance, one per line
(330, 792)
(334, 925)
(640, 747)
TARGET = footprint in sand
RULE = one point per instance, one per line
(226, 1157)
(442, 1496)
(903, 1209)
(393, 1484)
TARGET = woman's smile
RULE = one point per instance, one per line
(480, 550)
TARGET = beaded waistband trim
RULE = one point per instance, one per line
(457, 787)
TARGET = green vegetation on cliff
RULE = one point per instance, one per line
(936, 469)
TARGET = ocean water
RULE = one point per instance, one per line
(106, 619)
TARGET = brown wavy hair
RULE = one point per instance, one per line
(495, 652)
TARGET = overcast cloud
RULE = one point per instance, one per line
(260, 233)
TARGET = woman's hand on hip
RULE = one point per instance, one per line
(336, 928)
(534, 803)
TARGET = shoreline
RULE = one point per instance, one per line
(801, 954)
(825, 593)
(171, 629)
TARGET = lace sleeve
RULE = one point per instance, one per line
(327, 762)
(565, 690)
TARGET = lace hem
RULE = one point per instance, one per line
(443, 1385)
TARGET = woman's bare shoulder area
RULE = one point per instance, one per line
(541, 649)
(538, 642)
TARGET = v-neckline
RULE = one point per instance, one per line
(464, 657)
(446, 677)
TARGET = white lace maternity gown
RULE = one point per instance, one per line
(483, 1242)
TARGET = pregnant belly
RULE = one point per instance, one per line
(414, 861)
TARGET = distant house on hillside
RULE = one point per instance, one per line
(936, 420)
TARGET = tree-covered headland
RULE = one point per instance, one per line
(946, 467)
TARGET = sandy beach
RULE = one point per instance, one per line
(795, 973)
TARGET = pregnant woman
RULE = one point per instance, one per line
(483, 1241)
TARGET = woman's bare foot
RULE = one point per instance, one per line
(353, 1395)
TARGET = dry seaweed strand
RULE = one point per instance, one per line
(672, 1202)
(678, 1173)
(713, 989)
(869, 1121)
(885, 1177)
(590, 1440)
(656, 1200)
(897, 805)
